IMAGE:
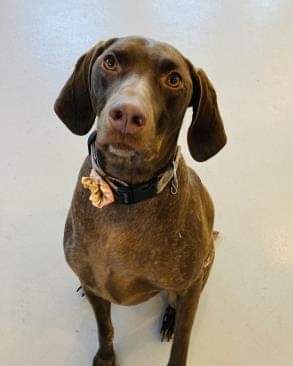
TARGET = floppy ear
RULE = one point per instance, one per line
(73, 105)
(206, 134)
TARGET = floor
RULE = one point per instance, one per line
(245, 315)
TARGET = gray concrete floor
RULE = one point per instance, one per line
(245, 315)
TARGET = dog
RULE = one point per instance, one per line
(151, 230)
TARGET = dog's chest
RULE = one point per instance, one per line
(128, 263)
(128, 267)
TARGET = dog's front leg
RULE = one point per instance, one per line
(102, 308)
(186, 306)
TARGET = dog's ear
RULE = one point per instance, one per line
(206, 134)
(73, 105)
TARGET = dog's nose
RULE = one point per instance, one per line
(127, 118)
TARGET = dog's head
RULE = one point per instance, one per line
(140, 89)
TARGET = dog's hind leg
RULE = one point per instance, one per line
(102, 308)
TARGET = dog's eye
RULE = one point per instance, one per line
(109, 62)
(174, 80)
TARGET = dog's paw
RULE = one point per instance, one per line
(99, 361)
(168, 324)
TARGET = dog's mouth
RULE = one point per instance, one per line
(121, 150)
(117, 146)
(134, 150)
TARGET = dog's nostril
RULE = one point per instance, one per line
(138, 120)
(117, 114)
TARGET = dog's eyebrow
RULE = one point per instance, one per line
(167, 64)
(121, 55)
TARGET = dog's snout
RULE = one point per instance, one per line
(127, 118)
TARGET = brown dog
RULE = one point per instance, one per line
(157, 235)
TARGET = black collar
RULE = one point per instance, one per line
(127, 194)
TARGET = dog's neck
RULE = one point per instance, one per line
(134, 169)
